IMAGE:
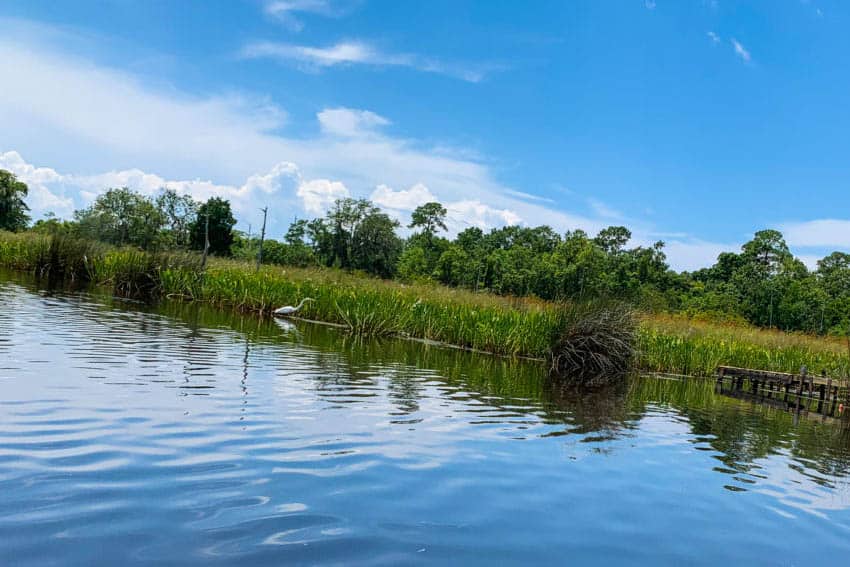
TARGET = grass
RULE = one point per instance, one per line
(691, 347)
(594, 342)
(501, 325)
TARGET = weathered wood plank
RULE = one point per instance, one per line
(769, 375)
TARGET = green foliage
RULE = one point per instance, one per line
(375, 248)
(215, 215)
(51, 224)
(354, 235)
(121, 217)
(429, 217)
(13, 210)
(178, 212)
(413, 264)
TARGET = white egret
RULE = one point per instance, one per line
(289, 310)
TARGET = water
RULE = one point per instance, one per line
(179, 435)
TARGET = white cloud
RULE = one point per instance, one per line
(285, 10)
(822, 233)
(38, 179)
(349, 122)
(460, 214)
(650, 4)
(104, 128)
(463, 214)
(282, 188)
(713, 37)
(528, 196)
(320, 194)
(337, 54)
(404, 200)
(358, 53)
(740, 50)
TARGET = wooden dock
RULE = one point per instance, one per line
(799, 391)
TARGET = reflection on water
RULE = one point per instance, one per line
(180, 434)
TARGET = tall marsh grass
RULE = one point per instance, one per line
(594, 343)
(685, 346)
(570, 337)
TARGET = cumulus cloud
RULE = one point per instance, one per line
(460, 214)
(283, 188)
(320, 194)
(314, 58)
(403, 200)
(740, 50)
(39, 181)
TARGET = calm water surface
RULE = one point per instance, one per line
(179, 435)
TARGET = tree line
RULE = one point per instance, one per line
(763, 284)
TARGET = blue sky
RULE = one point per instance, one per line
(694, 122)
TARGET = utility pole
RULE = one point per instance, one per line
(262, 237)
(206, 240)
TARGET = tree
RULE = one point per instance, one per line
(221, 223)
(375, 246)
(296, 232)
(767, 251)
(179, 212)
(613, 238)
(320, 235)
(834, 272)
(121, 217)
(455, 268)
(13, 209)
(51, 224)
(413, 265)
(429, 217)
(336, 234)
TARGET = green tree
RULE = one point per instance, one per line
(13, 209)
(456, 268)
(767, 251)
(122, 217)
(179, 211)
(375, 246)
(413, 265)
(297, 232)
(51, 224)
(429, 217)
(221, 223)
(613, 239)
(834, 273)
(340, 225)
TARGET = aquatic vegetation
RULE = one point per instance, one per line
(594, 342)
(576, 338)
(682, 346)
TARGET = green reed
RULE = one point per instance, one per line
(700, 353)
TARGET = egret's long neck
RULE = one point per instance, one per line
(300, 305)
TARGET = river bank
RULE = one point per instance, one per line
(368, 306)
